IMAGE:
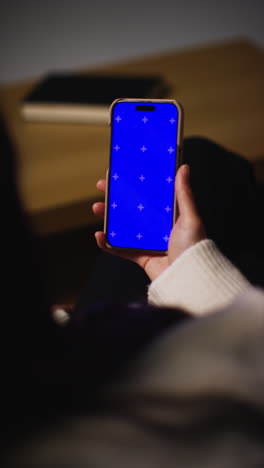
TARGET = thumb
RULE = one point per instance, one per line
(184, 195)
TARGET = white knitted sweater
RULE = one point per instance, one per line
(200, 281)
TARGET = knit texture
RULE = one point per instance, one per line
(200, 281)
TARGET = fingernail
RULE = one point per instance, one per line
(186, 171)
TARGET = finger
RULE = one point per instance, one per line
(134, 257)
(101, 240)
(101, 185)
(99, 209)
(184, 195)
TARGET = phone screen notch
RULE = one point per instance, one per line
(145, 108)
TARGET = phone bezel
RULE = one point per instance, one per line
(179, 156)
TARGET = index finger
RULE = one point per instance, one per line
(101, 185)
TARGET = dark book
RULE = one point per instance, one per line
(85, 97)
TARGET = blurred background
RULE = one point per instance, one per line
(37, 36)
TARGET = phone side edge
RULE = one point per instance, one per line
(179, 156)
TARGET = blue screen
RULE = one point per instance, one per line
(141, 175)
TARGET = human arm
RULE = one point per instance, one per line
(194, 275)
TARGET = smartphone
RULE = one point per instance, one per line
(145, 153)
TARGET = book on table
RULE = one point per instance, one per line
(85, 98)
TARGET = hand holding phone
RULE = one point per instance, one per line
(187, 231)
(165, 134)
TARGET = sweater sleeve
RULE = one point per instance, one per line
(200, 281)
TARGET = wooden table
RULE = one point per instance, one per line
(220, 87)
